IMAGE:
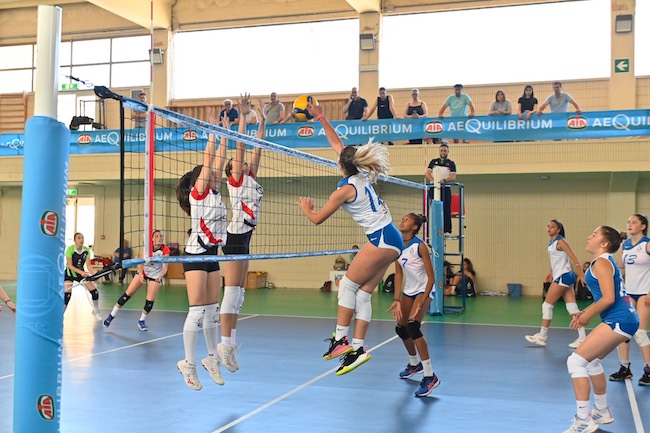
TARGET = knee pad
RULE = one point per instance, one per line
(572, 308)
(123, 299)
(148, 306)
(66, 297)
(547, 311)
(194, 319)
(242, 295)
(402, 332)
(233, 299)
(641, 338)
(363, 308)
(211, 318)
(413, 327)
(347, 293)
(595, 367)
(577, 366)
(95, 294)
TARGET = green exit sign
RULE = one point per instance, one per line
(69, 86)
(72, 191)
(621, 66)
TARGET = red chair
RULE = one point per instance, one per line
(455, 205)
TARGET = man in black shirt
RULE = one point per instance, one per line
(356, 108)
(444, 169)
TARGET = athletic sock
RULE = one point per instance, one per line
(227, 341)
(357, 343)
(582, 409)
(413, 360)
(233, 337)
(581, 333)
(600, 401)
(626, 363)
(428, 369)
(143, 316)
(341, 331)
(115, 311)
(543, 331)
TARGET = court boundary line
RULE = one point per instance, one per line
(636, 414)
(290, 393)
(129, 346)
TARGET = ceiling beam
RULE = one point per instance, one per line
(363, 6)
(13, 4)
(139, 12)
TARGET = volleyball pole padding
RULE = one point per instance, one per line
(438, 257)
(41, 258)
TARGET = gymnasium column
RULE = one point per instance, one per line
(162, 72)
(369, 36)
(622, 83)
(621, 201)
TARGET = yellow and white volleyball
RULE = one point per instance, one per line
(300, 112)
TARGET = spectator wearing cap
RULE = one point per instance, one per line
(460, 105)
(140, 117)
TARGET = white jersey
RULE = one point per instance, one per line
(414, 272)
(208, 221)
(367, 209)
(559, 259)
(637, 266)
(246, 201)
(153, 269)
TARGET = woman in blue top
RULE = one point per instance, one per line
(355, 194)
(619, 323)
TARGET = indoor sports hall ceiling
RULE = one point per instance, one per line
(195, 14)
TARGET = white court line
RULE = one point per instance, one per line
(117, 349)
(636, 415)
(290, 393)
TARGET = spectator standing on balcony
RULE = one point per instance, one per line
(527, 104)
(415, 108)
(501, 105)
(460, 105)
(559, 101)
(356, 108)
(385, 106)
(140, 117)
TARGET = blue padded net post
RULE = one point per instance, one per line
(437, 256)
(41, 262)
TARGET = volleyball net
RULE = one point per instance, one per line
(175, 144)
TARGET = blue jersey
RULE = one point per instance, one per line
(622, 310)
(367, 209)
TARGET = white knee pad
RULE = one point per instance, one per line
(641, 338)
(211, 317)
(577, 366)
(595, 367)
(194, 319)
(348, 292)
(363, 310)
(547, 310)
(233, 299)
(572, 308)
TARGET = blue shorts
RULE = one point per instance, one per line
(419, 293)
(635, 297)
(625, 329)
(566, 280)
(388, 237)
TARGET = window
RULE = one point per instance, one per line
(292, 58)
(497, 45)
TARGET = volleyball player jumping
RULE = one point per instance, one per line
(355, 194)
(198, 195)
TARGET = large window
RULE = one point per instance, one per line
(641, 38)
(567, 40)
(293, 58)
(116, 62)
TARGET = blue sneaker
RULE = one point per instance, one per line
(428, 384)
(108, 321)
(411, 370)
(143, 326)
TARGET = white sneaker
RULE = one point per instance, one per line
(536, 339)
(228, 355)
(602, 416)
(97, 315)
(582, 425)
(189, 374)
(211, 364)
(578, 341)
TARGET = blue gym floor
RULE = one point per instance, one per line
(123, 380)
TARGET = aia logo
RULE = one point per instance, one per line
(45, 407)
(84, 139)
(49, 223)
(305, 131)
(190, 135)
(434, 127)
(577, 122)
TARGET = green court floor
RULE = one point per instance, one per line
(497, 310)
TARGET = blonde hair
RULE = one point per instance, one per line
(372, 157)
